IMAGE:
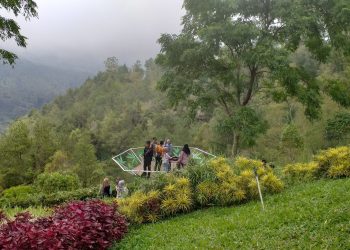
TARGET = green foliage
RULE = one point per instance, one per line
(223, 62)
(291, 138)
(246, 123)
(18, 192)
(15, 157)
(9, 28)
(18, 196)
(84, 157)
(338, 127)
(59, 162)
(54, 182)
(49, 200)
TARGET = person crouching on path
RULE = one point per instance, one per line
(159, 155)
(184, 156)
(166, 160)
(147, 159)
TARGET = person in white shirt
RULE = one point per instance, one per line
(166, 160)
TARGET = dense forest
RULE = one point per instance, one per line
(28, 85)
(265, 84)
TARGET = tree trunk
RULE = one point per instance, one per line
(235, 145)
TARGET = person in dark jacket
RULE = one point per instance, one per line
(147, 159)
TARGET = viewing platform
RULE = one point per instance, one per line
(131, 160)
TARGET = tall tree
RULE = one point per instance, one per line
(9, 29)
(229, 50)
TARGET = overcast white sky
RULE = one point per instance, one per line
(82, 33)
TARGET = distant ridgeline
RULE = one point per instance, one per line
(28, 85)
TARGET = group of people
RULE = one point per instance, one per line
(120, 188)
(162, 152)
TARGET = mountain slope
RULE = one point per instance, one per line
(309, 216)
(28, 85)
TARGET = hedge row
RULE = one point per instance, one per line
(330, 163)
(216, 183)
(26, 196)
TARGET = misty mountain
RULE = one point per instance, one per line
(28, 85)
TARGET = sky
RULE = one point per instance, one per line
(83, 33)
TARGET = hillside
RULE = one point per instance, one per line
(307, 216)
(29, 85)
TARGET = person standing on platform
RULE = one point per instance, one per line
(184, 156)
(166, 161)
(147, 159)
(159, 155)
(169, 146)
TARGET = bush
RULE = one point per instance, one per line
(216, 183)
(235, 183)
(18, 192)
(332, 163)
(141, 207)
(300, 171)
(56, 182)
(177, 197)
(21, 196)
(207, 193)
(49, 199)
(61, 197)
(77, 225)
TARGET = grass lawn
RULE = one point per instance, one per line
(306, 216)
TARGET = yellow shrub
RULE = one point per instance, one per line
(227, 193)
(207, 192)
(244, 163)
(220, 167)
(301, 170)
(177, 197)
(141, 207)
(337, 171)
(271, 183)
(333, 162)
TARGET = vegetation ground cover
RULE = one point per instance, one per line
(306, 216)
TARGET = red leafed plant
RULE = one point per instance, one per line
(76, 225)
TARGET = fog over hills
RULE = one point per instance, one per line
(28, 85)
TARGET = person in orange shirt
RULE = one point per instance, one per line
(159, 154)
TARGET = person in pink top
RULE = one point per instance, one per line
(184, 156)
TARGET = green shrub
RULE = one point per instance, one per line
(41, 199)
(21, 196)
(55, 182)
(64, 196)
